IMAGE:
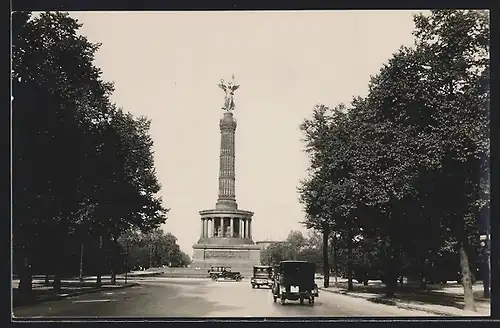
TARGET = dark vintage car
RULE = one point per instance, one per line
(262, 276)
(295, 281)
(220, 272)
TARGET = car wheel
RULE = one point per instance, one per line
(253, 286)
(301, 300)
(283, 300)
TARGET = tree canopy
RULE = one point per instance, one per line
(83, 169)
(409, 163)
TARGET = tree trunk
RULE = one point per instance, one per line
(99, 264)
(112, 260)
(466, 280)
(57, 283)
(486, 279)
(150, 256)
(334, 253)
(350, 285)
(326, 266)
(390, 283)
(423, 282)
(487, 270)
(25, 280)
(391, 279)
(81, 264)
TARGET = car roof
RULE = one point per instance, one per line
(262, 266)
(293, 261)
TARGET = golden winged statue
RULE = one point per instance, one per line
(229, 89)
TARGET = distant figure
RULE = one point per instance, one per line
(218, 232)
(228, 231)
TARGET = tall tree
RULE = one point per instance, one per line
(455, 44)
(426, 127)
(329, 194)
(433, 119)
(85, 167)
(57, 95)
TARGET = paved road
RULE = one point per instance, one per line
(170, 297)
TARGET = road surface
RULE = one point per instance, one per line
(171, 297)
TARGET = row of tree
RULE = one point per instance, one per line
(83, 169)
(406, 168)
(365, 260)
(152, 250)
(295, 247)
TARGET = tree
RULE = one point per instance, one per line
(85, 167)
(274, 253)
(312, 251)
(125, 183)
(459, 72)
(57, 94)
(417, 140)
(443, 84)
(153, 249)
(295, 243)
(329, 194)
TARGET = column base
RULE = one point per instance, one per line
(226, 204)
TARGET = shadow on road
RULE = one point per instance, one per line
(292, 304)
(41, 293)
(435, 294)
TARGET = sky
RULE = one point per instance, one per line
(166, 66)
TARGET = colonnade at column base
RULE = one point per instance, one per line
(225, 241)
(223, 223)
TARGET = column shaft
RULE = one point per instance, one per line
(231, 224)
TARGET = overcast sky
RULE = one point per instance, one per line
(166, 66)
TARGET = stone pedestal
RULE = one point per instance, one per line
(239, 257)
(226, 240)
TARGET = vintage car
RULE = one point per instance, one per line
(295, 281)
(262, 276)
(225, 273)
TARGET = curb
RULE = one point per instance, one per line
(58, 297)
(150, 274)
(388, 302)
